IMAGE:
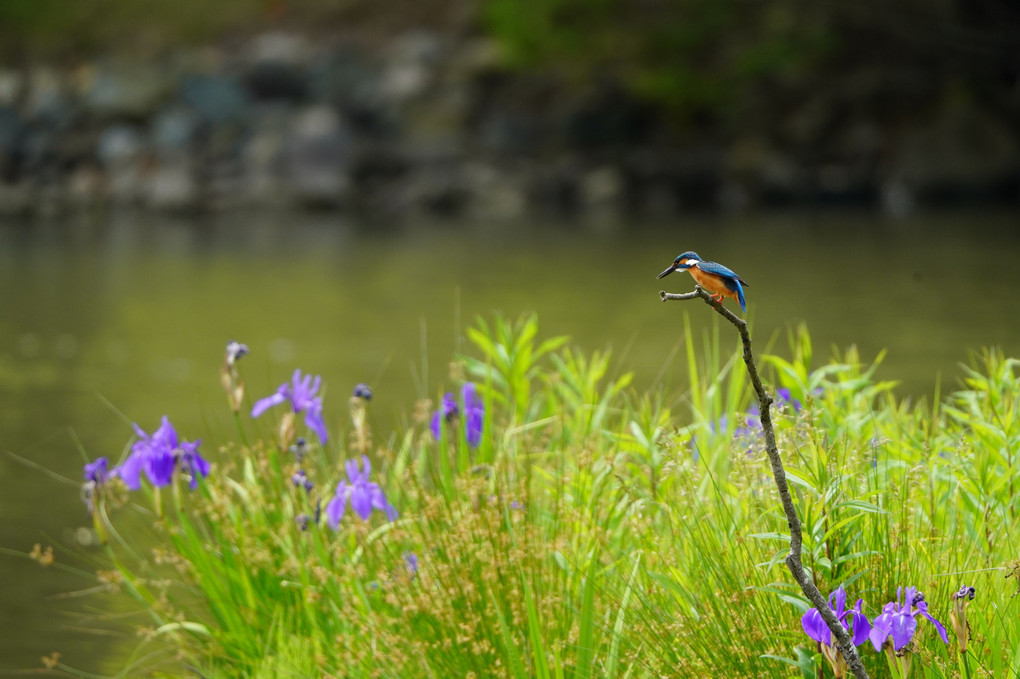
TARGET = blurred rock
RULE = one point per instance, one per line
(276, 81)
(119, 145)
(555, 187)
(11, 84)
(279, 47)
(125, 90)
(15, 198)
(170, 187)
(495, 194)
(278, 68)
(120, 150)
(378, 171)
(317, 157)
(12, 130)
(412, 63)
(961, 155)
(46, 97)
(216, 98)
(609, 117)
(85, 185)
(342, 76)
(440, 189)
(897, 200)
(602, 187)
(173, 130)
(263, 166)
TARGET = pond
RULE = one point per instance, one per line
(124, 319)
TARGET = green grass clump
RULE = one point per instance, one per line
(593, 531)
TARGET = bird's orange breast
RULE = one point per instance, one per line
(712, 283)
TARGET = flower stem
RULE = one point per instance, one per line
(240, 429)
(965, 664)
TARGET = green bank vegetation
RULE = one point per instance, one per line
(592, 531)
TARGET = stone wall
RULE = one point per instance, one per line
(426, 122)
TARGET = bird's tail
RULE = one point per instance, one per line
(740, 297)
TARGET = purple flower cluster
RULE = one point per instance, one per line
(160, 456)
(752, 420)
(300, 479)
(236, 351)
(96, 474)
(748, 433)
(301, 393)
(892, 630)
(851, 618)
(473, 410)
(362, 494)
(898, 621)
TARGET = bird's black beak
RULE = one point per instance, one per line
(667, 272)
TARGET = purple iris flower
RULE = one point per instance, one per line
(815, 627)
(720, 426)
(299, 448)
(192, 463)
(236, 351)
(96, 471)
(363, 391)
(898, 621)
(474, 414)
(786, 398)
(363, 495)
(752, 424)
(411, 563)
(301, 394)
(96, 476)
(158, 456)
(301, 480)
(448, 410)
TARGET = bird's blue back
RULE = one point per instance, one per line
(720, 270)
(730, 278)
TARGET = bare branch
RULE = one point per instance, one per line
(793, 559)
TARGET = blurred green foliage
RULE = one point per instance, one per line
(741, 61)
(65, 29)
(684, 53)
(53, 28)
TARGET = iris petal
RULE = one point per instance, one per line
(314, 421)
(938, 625)
(335, 510)
(264, 404)
(436, 426)
(361, 501)
(838, 599)
(879, 630)
(861, 626)
(473, 426)
(902, 628)
(815, 627)
(131, 469)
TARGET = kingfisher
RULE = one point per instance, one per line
(717, 279)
